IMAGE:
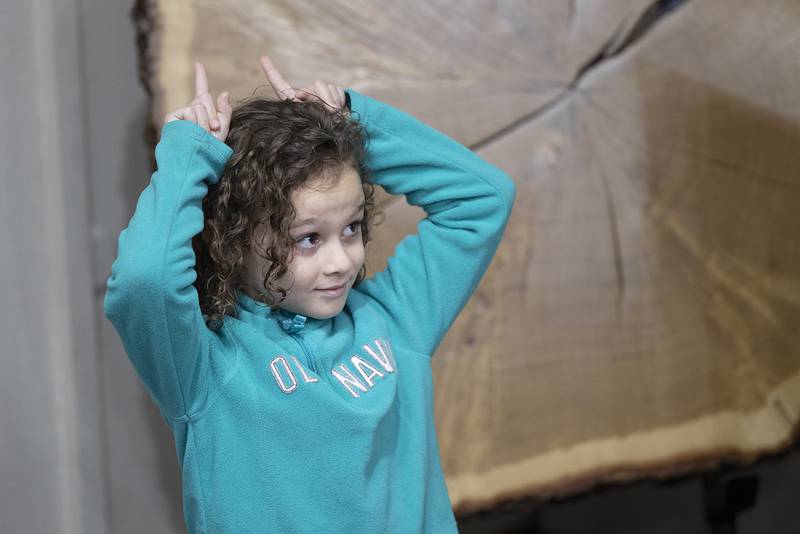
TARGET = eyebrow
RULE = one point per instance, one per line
(314, 220)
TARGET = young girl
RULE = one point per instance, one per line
(298, 392)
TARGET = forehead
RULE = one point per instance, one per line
(329, 199)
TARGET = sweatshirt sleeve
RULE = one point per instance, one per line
(468, 202)
(150, 297)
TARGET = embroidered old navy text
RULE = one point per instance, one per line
(380, 351)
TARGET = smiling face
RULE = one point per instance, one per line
(328, 250)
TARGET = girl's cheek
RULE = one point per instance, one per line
(360, 255)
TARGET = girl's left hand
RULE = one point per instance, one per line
(331, 95)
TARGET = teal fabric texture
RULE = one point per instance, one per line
(286, 423)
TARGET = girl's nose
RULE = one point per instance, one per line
(338, 260)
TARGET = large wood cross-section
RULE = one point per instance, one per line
(642, 315)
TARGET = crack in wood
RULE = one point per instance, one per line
(623, 38)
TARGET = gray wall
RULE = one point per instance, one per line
(49, 422)
(82, 450)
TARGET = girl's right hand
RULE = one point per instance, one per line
(201, 110)
(331, 95)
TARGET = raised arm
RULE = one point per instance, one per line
(150, 297)
(468, 201)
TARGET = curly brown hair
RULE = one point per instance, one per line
(278, 146)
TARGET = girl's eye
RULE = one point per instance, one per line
(311, 240)
(355, 226)
(308, 241)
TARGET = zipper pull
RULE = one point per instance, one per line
(294, 324)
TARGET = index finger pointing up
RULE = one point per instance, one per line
(281, 86)
(200, 79)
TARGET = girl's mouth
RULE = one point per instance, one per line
(333, 291)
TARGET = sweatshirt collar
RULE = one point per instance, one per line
(289, 322)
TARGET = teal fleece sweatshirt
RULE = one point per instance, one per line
(285, 423)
